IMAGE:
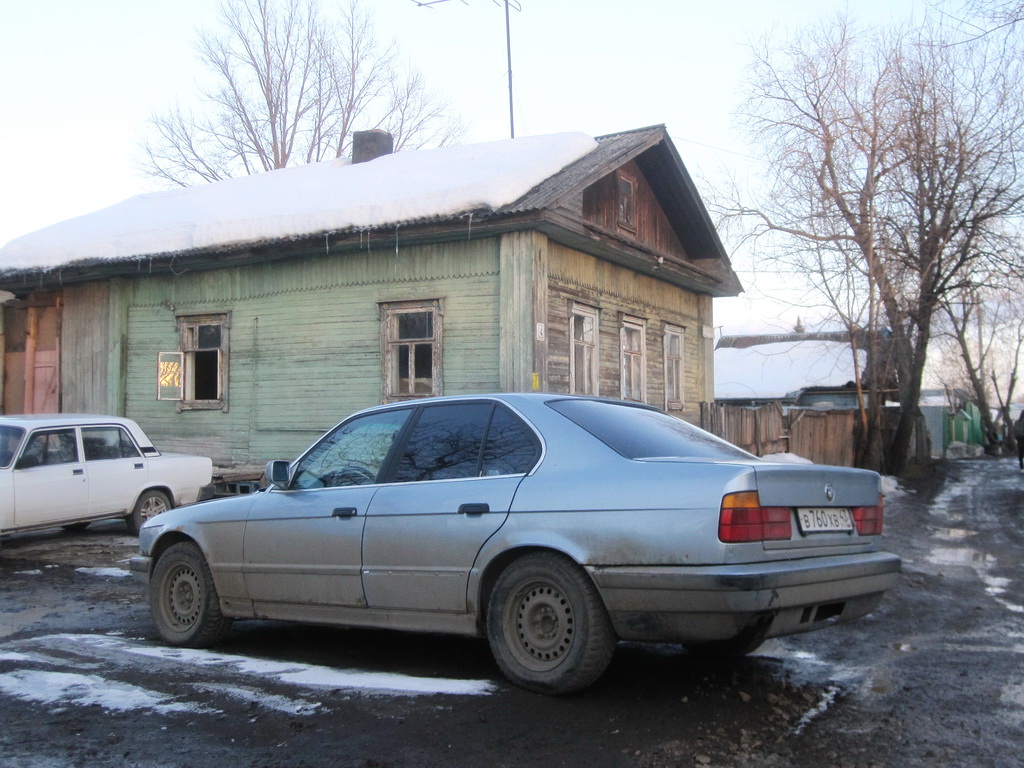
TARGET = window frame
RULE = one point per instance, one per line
(678, 363)
(628, 357)
(176, 370)
(584, 312)
(46, 432)
(389, 312)
(494, 409)
(125, 439)
(321, 450)
(625, 204)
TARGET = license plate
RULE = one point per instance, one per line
(824, 520)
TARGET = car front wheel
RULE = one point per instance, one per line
(183, 599)
(150, 504)
(547, 627)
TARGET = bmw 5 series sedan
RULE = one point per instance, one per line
(552, 525)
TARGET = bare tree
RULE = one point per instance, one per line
(994, 15)
(290, 88)
(981, 341)
(893, 157)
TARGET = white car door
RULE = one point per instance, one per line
(50, 482)
(116, 468)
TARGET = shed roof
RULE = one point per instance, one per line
(779, 365)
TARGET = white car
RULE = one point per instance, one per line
(70, 470)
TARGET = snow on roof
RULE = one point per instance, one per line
(774, 370)
(304, 200)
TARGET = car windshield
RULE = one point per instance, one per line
(10, 438)
(642, 433)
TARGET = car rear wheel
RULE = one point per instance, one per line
(150, 504)
(183, 599)
(547, 627)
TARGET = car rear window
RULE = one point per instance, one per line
(637, 432)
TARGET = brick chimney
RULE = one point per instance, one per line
(369, 145)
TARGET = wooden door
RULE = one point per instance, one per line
(31, 381)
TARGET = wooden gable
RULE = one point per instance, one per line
(623, 205)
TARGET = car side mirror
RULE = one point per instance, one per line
(278, 473)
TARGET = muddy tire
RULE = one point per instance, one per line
(183, 599)
(150, 504)
(548, 629)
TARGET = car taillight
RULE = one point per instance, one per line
(742, 518)
(869, 519)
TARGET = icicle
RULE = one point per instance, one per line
(469, 230)
(327, 244)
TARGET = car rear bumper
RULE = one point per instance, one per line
(708, 603)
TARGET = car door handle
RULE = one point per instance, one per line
(345, 512)
(473, 509)
(140, 466)
(77, 471)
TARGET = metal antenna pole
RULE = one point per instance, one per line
(508, 50)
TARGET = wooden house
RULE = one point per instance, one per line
(595, 275)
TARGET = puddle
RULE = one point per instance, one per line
(954, 534)
(960, 556)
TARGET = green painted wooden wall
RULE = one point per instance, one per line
(305, 341)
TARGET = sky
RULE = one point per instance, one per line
(80, 81)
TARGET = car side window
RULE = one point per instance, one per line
(511, 447)
(445, 443)
(353, 454)
(107, 443)
(57, 446)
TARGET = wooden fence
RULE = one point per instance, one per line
(759, 430)
(824, 437)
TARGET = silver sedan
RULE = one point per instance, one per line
(554, 526)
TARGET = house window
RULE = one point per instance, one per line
(412, 349)
(634, 359)
(627, 207)
(196, 376)
(673, 367)
(583, 337)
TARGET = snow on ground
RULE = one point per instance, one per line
(785, 458)
(303, 200)
(69, 688)
(113, 572)
(47, 678)
(891, 488)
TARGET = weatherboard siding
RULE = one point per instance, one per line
(84, 347)
(617, 292)
(305, 342)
